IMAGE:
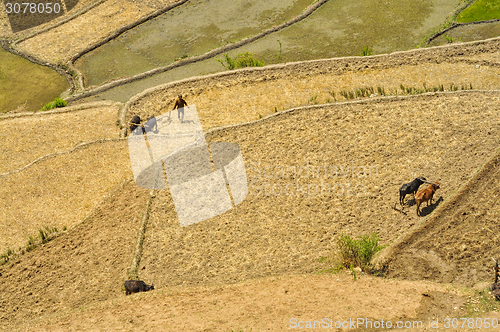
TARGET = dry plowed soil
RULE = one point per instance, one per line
(273, 232)
(318, 172)
(86, 264)
(456, 244)
(313, 172)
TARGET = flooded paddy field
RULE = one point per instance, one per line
(344, 28)
(26, 86)
(337, 28)
(467, 33)
(188, 30)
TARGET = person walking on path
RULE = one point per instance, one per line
(179, 104)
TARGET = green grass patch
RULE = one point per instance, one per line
(481, 10)
(480, 303)
(58, 102)
(242, 60)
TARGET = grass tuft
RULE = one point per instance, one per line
(357, 252)
(45, 234)
(242, 60)
(366, 51)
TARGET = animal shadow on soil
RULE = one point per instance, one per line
(424, 211)
(410, 202)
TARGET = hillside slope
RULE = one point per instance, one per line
(455, 244)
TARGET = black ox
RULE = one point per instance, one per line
(409, 188)
(150, 125)
(136, 286)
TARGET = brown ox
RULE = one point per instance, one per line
(425, 195)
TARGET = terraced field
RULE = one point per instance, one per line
(29, 90)
(262, 263)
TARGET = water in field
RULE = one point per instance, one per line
(468, 33)
(344, 28)
(337, 28)
(191, 29)
(27, 85)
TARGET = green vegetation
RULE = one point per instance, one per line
(242, 60)
(404, 90)
(357, 252)
(481, 10)
(68, 69)
(326, 33)
(45, 234)
(366, 51)
(353, 272)
(481, 303)
(58, 102)
(4, 258)
(332, 93)
(313, 100)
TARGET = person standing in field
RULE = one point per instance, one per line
(179, 104)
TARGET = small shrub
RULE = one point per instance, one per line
(58, 102)
(357, 252)
(358, 92)
(185, 56)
